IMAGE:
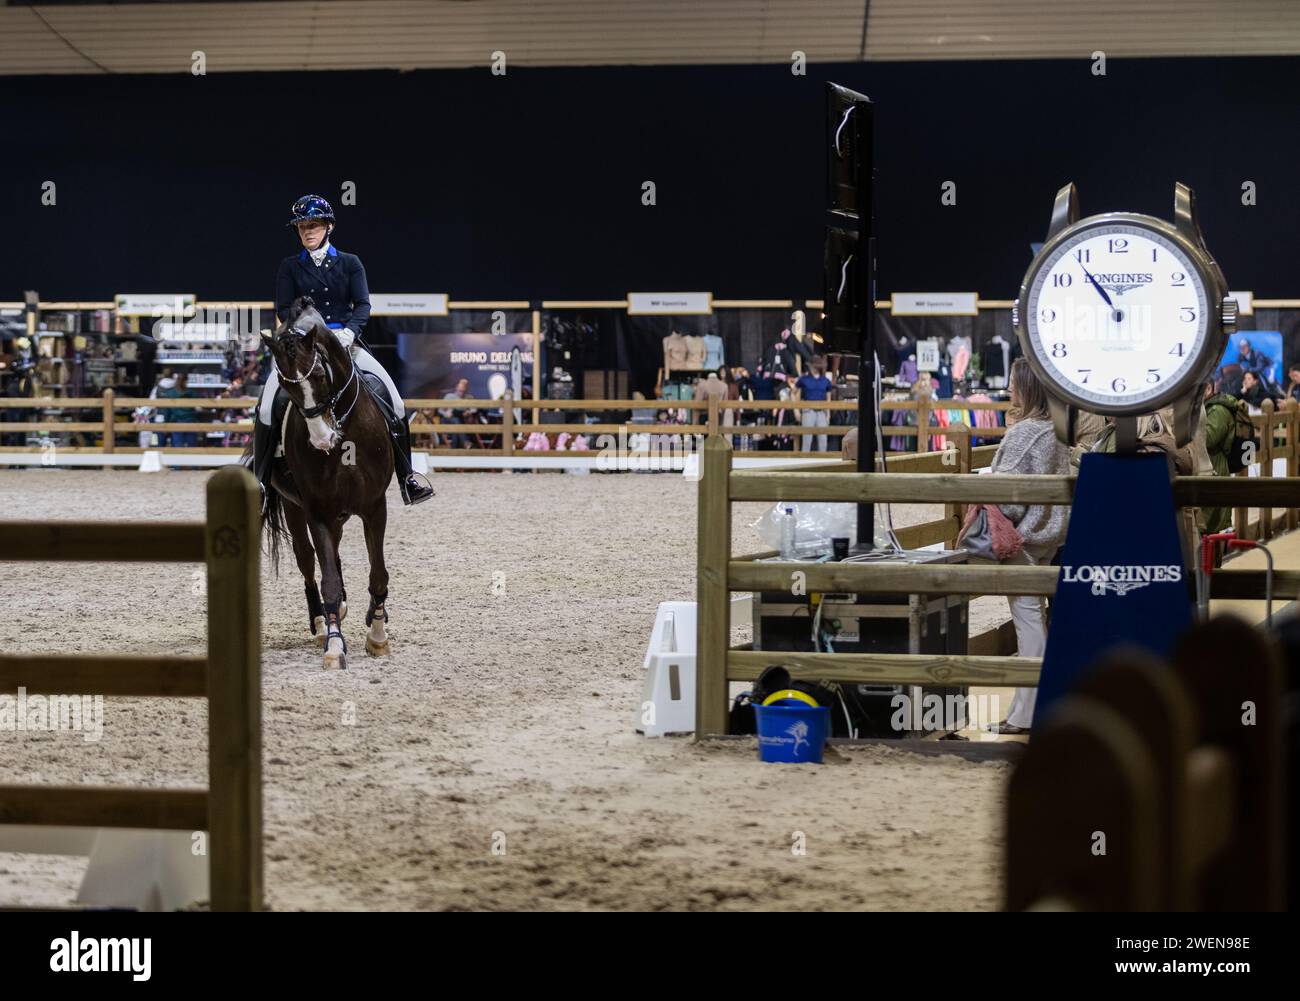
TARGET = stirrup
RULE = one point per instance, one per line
(423, 492)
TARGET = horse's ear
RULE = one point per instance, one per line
(266, 337)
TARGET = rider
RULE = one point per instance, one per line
(337, 283)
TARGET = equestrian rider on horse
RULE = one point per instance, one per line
(336, 282)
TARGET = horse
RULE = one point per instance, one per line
(337, 462)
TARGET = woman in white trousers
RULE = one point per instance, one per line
(1030, 447)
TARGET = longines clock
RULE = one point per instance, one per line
(1123, 314)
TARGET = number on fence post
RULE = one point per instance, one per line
(233, 553)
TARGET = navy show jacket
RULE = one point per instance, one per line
(338, 287)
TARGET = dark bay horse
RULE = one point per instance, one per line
(337, 462)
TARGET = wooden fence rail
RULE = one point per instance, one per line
(719, 572)
(229, 676)
(113, 419)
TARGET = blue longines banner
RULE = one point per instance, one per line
(1122, 575)
(432, 364)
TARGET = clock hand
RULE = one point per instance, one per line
(1101, 291)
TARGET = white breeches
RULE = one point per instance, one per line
(363, 359)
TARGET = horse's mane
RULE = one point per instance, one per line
(299, 306)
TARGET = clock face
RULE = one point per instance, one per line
(1117, 315)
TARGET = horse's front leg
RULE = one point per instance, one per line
(303, 552)
(326, 540)
(375, 521)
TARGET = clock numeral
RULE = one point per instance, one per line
(1062, 281)
(1058, 350)
(1153, 376)
(1085, 372)
(1187, 314)
(1118, 246)
(1178, 350)
(1177, 280)
(1083, 255)
(1154, 252)
(1118, 385)
(1047, 315)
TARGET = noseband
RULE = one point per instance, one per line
(318, 361)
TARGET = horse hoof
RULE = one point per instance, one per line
(377, 649)
(336, 662)
(343, 610)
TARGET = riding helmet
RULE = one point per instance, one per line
(311, 207)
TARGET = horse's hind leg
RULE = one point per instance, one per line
(375, 521)
(306, 557)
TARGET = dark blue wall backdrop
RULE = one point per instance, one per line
(529, 185)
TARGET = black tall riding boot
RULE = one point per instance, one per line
(414, 486)
(263, 450)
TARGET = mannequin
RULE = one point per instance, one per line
(996, 361)
(674, 352)
(695, 352)
(714, 357)
(783, 354)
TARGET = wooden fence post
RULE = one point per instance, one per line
(508, 424)
(713, 417)
(923, 423)
(1292, 410)
(233, 551)
(1266, 468)
(960, 436)
(109, 431)
(713, 600)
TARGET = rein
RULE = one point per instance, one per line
(320, 362)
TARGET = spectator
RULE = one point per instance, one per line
(179, 389)
(1030, 447)
(1253, 391)
(456, 415)
(1293, 386)
(1220, 426)
(814, 387)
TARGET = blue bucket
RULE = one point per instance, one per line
(792, 731)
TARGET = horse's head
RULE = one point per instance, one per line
(300, 347)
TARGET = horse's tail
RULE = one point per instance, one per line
(274, 529)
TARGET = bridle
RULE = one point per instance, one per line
(319, 361)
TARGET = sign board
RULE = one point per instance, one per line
(927, 355)
(934, 303)
(151, 304)
(432, 364)
(669, 303)
(168, 330)
(409, 304)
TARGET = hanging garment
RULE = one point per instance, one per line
(959, 363)
(713, 352)
(695, 352)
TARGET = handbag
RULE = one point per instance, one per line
(988, 534)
